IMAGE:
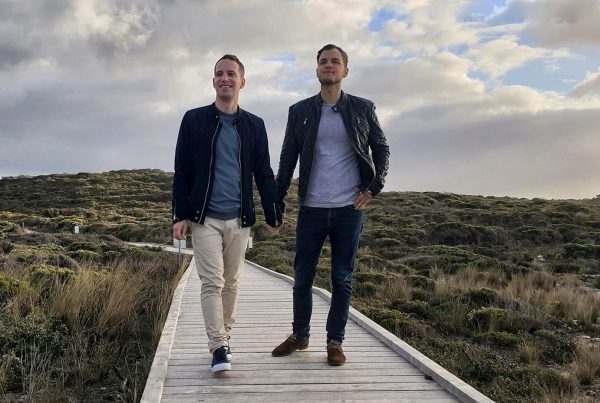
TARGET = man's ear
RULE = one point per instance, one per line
(243, 83)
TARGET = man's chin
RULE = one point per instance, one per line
(225, 97)
(329, 81)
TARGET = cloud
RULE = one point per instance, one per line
(97, 85)
(498, 56)
(557, 22)
(590, 86)
(428, 27)
(526, 154)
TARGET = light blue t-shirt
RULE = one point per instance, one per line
(334, 176)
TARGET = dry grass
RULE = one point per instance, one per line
(464, 279)
(529, 353)
(565, 300)
(396, 288)
(111, 318)
(586, 365)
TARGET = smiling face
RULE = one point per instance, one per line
(228, 80)
(331, 68)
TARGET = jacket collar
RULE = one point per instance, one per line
(215, 112)
(340, 103)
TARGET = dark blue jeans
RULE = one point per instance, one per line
(343, 226)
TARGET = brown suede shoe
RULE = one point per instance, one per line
(291, 344)
(335, 354)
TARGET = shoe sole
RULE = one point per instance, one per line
(225, 366)
(336, 364)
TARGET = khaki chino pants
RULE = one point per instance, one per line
(219, 249)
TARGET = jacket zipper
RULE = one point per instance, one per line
(241, 177)
(275, 215)
(311, 153)
(209, 170)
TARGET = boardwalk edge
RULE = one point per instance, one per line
(158, 371)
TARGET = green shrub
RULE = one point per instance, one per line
(420, 309)
(6, 226)
(46, 275)
(578, 251)
(5, 246)
(417, 294)
(374, 277)
(372, 261)
(488, 319)
(537, 235)
(556, 348)
(85, 255)
(383, 243)
(10, 287)
(481, 297)
(500, 339)
(569, 266)
(365, 289)
(451, 233)
(33, 332)
(475, 364)
(11, 373)
(396, 322)
(89, 246)
(420, 282)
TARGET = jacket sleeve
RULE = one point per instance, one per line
(380, 152)
(184, 173)
(287, 159)
(264, 178)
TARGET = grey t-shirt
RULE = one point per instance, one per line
(334, 176)
(224, 201)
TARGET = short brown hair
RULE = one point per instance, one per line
(330, 47)
(231, 57)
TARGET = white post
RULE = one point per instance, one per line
(249, 242)
(76, 230)
(180, 244)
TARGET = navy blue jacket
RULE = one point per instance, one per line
(195, 164)
(362, 126)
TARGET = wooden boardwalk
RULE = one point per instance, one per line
(380, 367)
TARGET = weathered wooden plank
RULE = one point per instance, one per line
(379, 367)
(297, 357)
(305, 396)
(306, 387)
(283, 374)
(241, 378)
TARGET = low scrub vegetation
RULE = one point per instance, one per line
(503, 292)
(80, 327)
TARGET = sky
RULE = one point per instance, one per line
(494, 98)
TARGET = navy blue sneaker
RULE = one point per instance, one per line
(219, 361)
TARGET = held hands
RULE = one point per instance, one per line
(180, 229)
(362, 200)
(276, 230)
(273, 230)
